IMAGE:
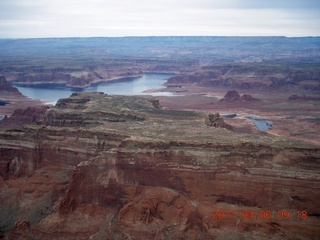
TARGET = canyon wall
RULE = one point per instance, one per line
(113, 167)
(265, 76)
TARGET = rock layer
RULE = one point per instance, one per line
(20, 117)
(303, 98)
(108, 167)
(264, 76)
(80, 77)
(11, 99)
(5, 87)
(216, 121)
(234, 98)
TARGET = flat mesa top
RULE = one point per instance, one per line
(144, 118)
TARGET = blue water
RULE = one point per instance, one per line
(262, 124)
(229, 116)
(126, 86)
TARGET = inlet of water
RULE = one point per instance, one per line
(262, 124)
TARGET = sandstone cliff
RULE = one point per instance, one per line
(11, 99)
(216, 121)
(116, 167)
(20, 117)
(267, 76)
(74, 76)
(235, 98)
(6, 88)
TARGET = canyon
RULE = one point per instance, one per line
(110, 167)
(80, 62)
(189, 166)
(262, 76)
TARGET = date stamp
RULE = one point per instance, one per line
(218, 214)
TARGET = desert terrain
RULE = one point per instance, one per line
(190, 166)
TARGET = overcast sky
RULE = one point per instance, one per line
(86, 18)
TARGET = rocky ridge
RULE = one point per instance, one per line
(20, 117)
(77, 77)
(216, 121)
(303, 98)
(11, 99)
(108, 167)
(264, 76)
(234, 97)
(5, 87)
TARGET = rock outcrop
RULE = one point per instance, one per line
(20, 117)
(234, 97)
(231, 96)
(77, 77)
(11, 99)
(258, 76)
(303, 98)
(216, 121)
(115, 167)
(5, 87)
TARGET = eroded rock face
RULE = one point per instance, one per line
(248, 98)
(11, 99)
(234, 97)
(20, 117)
(216, 121)
(260, 76)
(78, 77)
(160, 176)
(303, 98)
(6, 87)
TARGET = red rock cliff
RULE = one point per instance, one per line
(5, 87)
(113, 166)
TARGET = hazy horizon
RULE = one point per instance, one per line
(146, 36)
(127, 18)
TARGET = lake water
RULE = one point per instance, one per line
(126, 86)
(229, 115)
(262, 124)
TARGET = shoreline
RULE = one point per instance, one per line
(16, 102)
(113, 79)
(65, 84)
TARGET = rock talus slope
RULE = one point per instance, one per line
(117, 167)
